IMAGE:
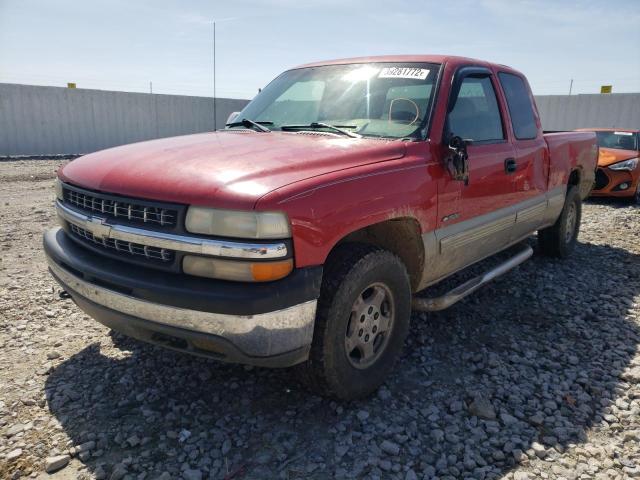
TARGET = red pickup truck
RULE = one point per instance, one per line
(299, 234)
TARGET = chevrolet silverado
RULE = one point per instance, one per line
(300, 234)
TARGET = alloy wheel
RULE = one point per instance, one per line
(369, 326)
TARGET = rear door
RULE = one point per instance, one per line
(531, 159)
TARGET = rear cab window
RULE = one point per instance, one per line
(519, 104)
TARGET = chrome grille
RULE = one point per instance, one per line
(127, 248)
(123, 209)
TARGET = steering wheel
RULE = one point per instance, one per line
(404, 116)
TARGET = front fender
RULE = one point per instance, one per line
(325, 210)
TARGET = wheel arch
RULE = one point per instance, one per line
(582, 180)
(401, 236)
(574, 177)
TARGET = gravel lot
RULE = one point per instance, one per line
(535, 376)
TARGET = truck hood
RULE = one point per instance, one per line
(609, 156)
(228, 169)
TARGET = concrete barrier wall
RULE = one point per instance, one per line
(567, 112)
(38, 120)
(52, 120)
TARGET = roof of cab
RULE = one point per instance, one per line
(440, 59)
(398, 58)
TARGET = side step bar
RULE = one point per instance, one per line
(470, 286)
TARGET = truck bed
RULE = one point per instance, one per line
(570, 150)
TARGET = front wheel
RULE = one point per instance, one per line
(559, 239)
(362, 321)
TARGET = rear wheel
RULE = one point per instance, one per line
(362, 321)
(559, 239)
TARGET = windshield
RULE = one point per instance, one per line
(619, 140)
(372, 100)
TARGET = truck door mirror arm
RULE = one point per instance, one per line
(457, 160)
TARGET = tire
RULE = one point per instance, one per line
(559, 239)
(344, 362)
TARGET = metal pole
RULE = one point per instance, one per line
(571, 86)
(215, 124)
(150, 87)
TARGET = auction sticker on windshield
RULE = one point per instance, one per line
(404, 72)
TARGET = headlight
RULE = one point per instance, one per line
(59, 192)
(630, 164)
(236, 270)
(238, 224)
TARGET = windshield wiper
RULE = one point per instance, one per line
(318, 125)
(245, 122)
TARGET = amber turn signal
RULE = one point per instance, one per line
(265, 272)
(236, 270)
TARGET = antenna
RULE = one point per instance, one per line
(215, 125)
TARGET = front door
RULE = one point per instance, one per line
(486, 214)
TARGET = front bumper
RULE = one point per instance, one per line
(259, 324)
(610, 181)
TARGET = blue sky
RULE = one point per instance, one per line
(123, 45)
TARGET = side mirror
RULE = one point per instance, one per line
(232, 117)
(458, 160)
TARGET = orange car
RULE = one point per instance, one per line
(618, 173)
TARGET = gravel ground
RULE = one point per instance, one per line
(535, 376)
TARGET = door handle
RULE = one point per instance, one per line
(510, 166)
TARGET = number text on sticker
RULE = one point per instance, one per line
(404, 72)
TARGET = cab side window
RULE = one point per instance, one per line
(519, 104)
(476, 114)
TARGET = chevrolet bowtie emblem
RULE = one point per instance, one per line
(99, 228)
